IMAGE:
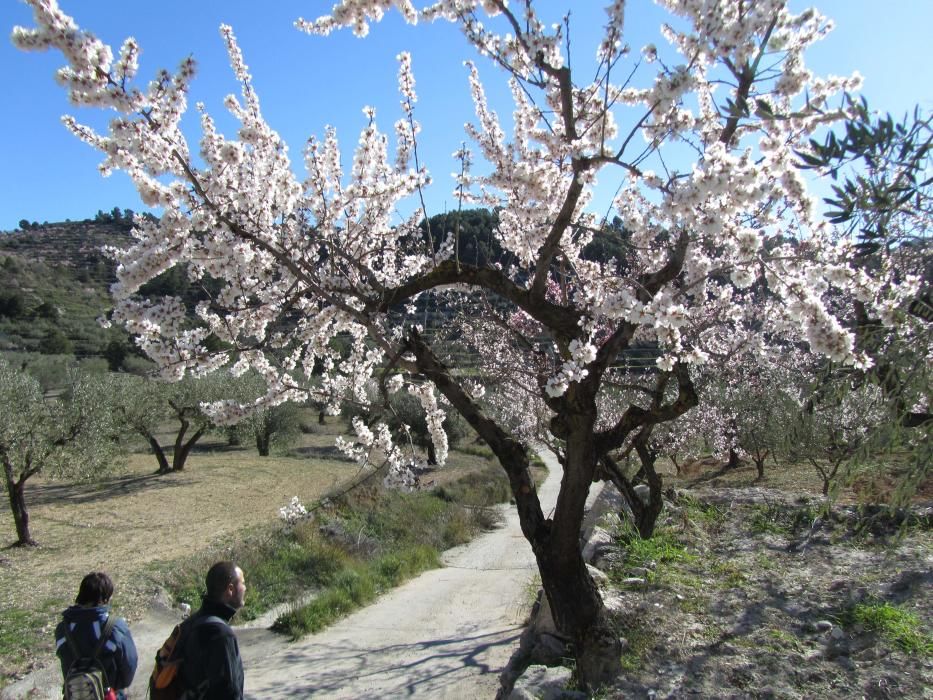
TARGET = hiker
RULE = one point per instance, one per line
(79, 633)
(212, 663)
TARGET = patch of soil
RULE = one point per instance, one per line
(761, 605)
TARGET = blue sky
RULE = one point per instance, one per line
(306, 82)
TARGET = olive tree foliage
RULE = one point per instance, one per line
(834, 432)
(883, 196)
(71, 436)
(267, 427)
(698, 135)
(148, 406)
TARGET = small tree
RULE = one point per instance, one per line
(73, 436)
(267, 426)
(55, 342)
(406, 414)
(832, 432)
(146, 404)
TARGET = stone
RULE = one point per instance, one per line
(633, 581)
(823, 626)
(598, 545)
(549, 650)
(544, 683)
(644, 493)
(599, 578)
(544, 620)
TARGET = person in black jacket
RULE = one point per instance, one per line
(85, 620)
(212, 669)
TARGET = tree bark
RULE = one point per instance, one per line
(651, 509)
(575, 602)
(733, 462)
(159, 454)
(183, 449)
(262, 443)
(432, 454)
(760, 464)
(16, 491)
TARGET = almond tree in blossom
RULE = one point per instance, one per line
(725, 253)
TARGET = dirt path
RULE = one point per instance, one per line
(446, 634)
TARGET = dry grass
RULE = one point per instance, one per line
(870, 486)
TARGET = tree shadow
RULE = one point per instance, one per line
(330, 452)
(427, 668)
(80, 493)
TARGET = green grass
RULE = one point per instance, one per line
(354, 587)
(361, 544)
(728, 574)
(482, 488)
(898, 626)
(779, 519)
(709, 515)
(652, 554)
(640, 637)
(24, 632)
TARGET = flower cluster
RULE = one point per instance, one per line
(294, 512)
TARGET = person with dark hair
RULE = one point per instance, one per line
(82, 625)
(213, 669)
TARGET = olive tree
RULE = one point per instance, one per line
(146, 405)
(71, 436)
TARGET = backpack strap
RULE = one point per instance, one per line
(104, 635)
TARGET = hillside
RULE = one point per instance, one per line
(54, 285)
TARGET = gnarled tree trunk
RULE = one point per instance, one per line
(182, 448)
(16, 492)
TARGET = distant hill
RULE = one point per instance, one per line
(54, 279)
(54, 284)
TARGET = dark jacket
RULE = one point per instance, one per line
(118, 655)
(212, 655)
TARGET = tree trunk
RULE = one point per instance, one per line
(180, 455)
(16, 490)
(575, 601)
(651, 510)
(262, 443)
(320, 417)
(576, 605)
(159, 454)
(676, 464)
(432, 455)
(733, 462)
(760, 465)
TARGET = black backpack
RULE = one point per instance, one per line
(86, 678)
(167, 681)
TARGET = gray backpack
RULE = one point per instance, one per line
(86, 678)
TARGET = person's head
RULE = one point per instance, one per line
(226, 584)
(96, 589)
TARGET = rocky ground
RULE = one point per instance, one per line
(753, 593)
